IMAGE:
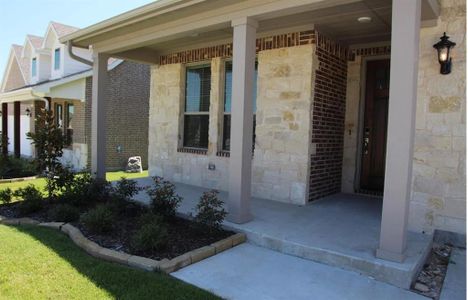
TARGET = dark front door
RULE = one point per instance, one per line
(374, 138)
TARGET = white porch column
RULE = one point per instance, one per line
(98, 115)
(406, 18)
(240, 162)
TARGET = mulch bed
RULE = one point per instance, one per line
(431, 278)
(183, 235)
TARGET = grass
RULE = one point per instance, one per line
(41, 263)
(40, 182)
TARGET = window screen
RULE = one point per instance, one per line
(57, 59)
(197, 105)
(227, 104)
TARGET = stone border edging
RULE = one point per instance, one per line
(10, 180)
(165, 265)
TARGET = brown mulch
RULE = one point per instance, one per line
(431, 278)
(183, 235)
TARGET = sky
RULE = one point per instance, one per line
(21, 17)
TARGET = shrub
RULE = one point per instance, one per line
(164, 200)
(82, 189)
(6, 195)
(99, 219)
(152, 235)
(49, 141)
(210, 211)
(14, 167)
(126, 188)
(64, 213)
(32, 199)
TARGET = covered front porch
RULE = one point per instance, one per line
(353, 235)
(340, 230)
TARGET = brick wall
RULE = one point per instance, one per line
(127, 114)
(265, 43)
(328, 113)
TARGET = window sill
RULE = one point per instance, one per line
(193, 151)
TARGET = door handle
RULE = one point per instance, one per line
(366, 145)
(366, 140)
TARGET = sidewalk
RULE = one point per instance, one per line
(251, 272)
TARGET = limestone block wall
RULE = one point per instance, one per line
(438, 199)
(281, 156)
(283, 133)
(439, 173)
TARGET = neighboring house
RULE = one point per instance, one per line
(338, 96)
(41, 72)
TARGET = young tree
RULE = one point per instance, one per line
(49, 142)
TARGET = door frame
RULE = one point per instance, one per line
(362, 106)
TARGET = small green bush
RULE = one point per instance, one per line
(100, 219)
(164, 200)
(32, 199)
(152, 235)
(15, 167)
(82, 189)
(6, 195)
(64, 213)
(126, 188)
(210, 211)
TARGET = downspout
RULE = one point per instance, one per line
(76, 57)
(44, 99)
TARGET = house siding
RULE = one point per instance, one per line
(127, 113)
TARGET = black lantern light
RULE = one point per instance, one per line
(443, 51)
(28, 112)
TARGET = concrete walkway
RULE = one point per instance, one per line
(454, 287)
(252, 272)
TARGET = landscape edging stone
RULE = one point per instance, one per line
(164, 265)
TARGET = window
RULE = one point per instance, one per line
(227, 104)
(34, 67)
(57, 59)
(69, 123)
(59, 115)
(197, 106)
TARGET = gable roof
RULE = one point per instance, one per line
(17, 70)
(22, 61)
(62, 29)
(36, 41)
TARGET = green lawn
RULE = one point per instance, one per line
(40, 182)
(42, 263)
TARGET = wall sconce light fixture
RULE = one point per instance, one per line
(443, 48)
(28, 112)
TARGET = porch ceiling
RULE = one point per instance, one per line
(176, 25)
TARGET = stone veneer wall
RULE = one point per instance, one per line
(328, 118)
(127, 114)
(439, 164)
(284, 95)
(438, 199)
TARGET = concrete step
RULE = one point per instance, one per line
(398, 274)
(251, 272)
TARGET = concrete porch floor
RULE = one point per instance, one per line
(340, 230)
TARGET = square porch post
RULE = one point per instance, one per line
(98, 115)
(17, 128)
(240, 162)
(5, 129)
(406, 19)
